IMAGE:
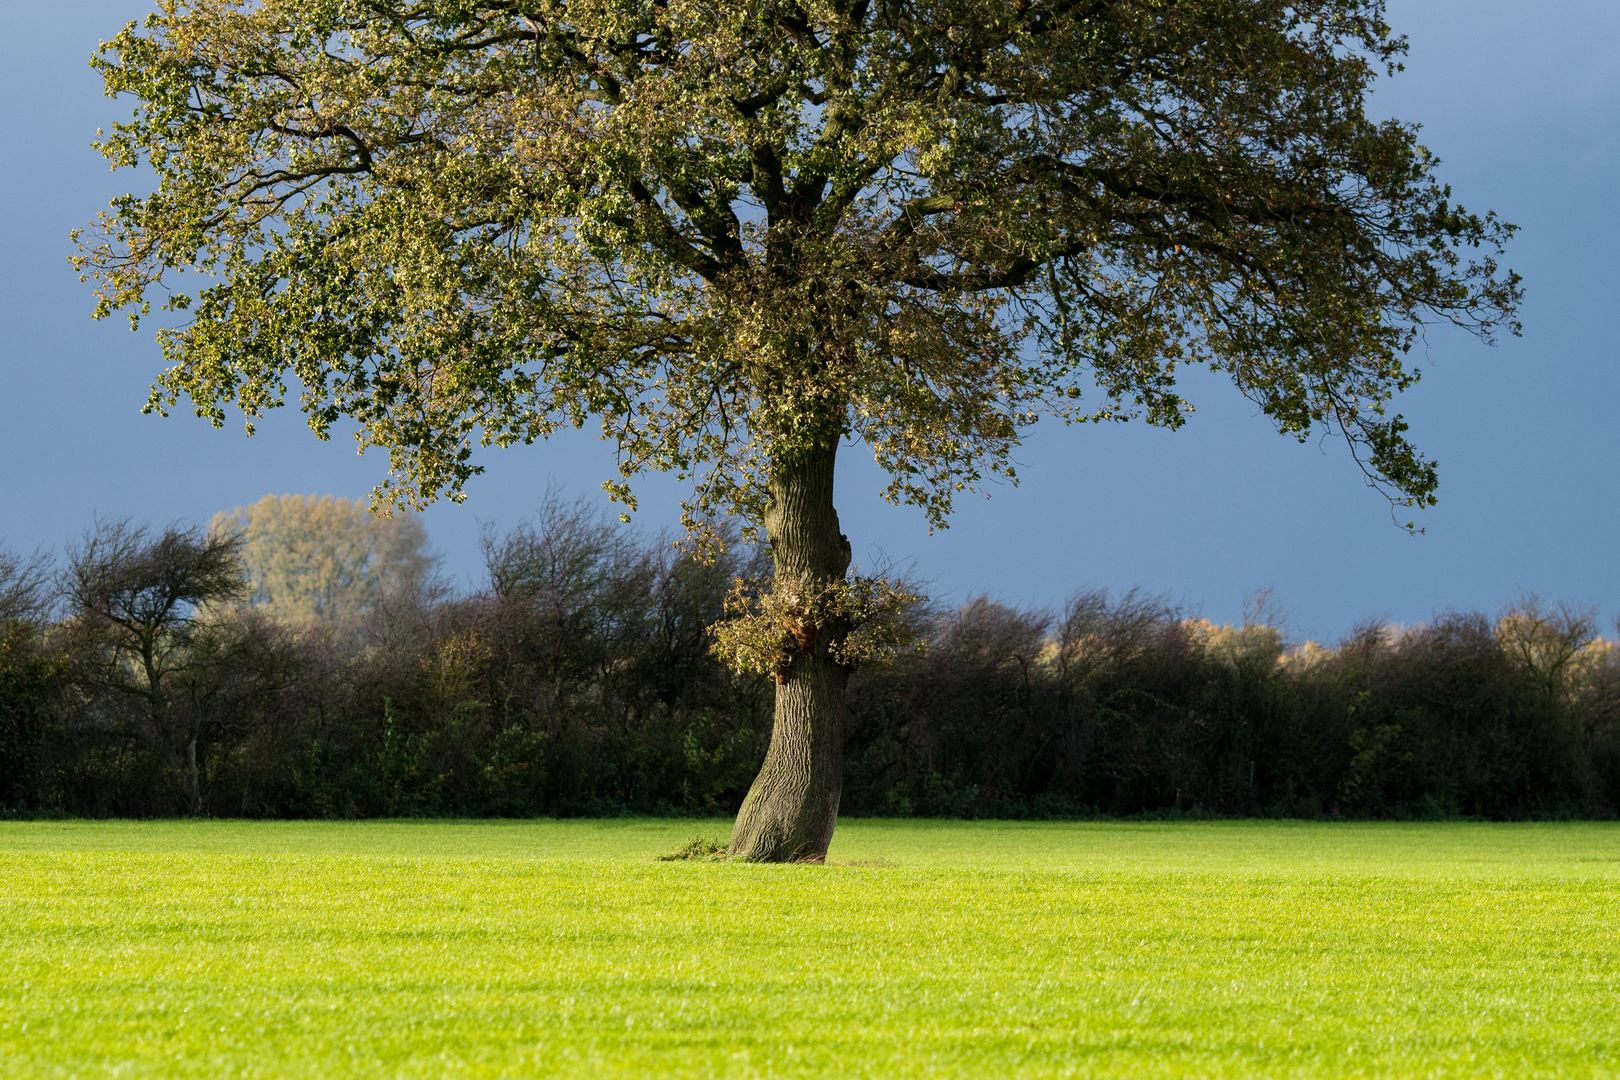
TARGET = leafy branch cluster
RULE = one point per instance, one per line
(725, 230)
(864, 621)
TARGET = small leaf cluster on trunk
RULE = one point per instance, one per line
(864, 621)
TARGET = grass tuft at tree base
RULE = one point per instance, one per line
(698, 848)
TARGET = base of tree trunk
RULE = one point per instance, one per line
(792, 808)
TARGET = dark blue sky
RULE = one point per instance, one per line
(1522, 101)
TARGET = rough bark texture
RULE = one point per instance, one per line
(791, 809)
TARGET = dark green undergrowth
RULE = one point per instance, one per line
(580, 684)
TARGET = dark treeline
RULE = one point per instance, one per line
(136, 681)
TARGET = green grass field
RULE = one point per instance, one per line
(928, 949)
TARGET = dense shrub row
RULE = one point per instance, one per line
(580, 681)
(1124, 707)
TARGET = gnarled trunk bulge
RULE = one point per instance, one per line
(790, 811)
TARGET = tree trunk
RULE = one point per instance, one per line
(790, 811)
(162, 721)
(191, 774)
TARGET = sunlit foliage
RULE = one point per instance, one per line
(728, 231)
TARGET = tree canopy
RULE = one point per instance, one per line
(727, 228)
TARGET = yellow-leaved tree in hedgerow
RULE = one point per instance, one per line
(324, 560)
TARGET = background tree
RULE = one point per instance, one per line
(740, 233)
(26, 592)
(30, 673)
(138, 608)
(324, 560)
(1549, 643)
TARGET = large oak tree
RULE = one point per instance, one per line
(740, 233)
